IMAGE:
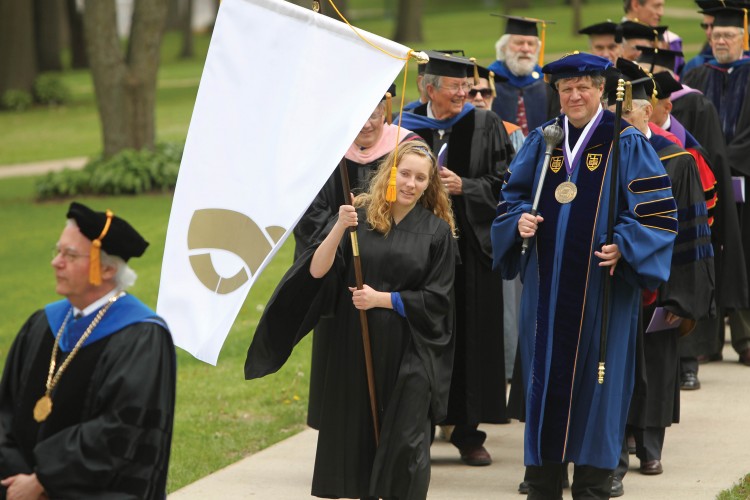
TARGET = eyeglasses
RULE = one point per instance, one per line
(453, 89)
(705, 26)
(724, 36)
(68, 255)
(485, 93)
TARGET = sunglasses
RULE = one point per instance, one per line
(485, 93)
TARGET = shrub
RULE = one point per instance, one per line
(51, 90)
(15, 100)
(127, 172)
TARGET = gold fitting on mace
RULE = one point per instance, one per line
(600, 377)
(620, 89)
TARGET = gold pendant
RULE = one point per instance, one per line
(42, 408)
(566, 192)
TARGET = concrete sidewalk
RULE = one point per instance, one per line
(704, 454)
(42, 167)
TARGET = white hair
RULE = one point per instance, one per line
(502, 42)
(125, 276)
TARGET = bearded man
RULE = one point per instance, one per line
(524, 99)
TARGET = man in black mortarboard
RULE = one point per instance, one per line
(478, 152)
(605, 40)
(524, 99)
(420, 76)
(724, 80)
(570, 416)
(686, 297)
(649, 12)
(637, 34)
(87, 394)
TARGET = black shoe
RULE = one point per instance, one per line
(689, 381)
(476, 456)
(523, 488)
(617, 489)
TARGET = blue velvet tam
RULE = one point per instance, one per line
(576, 65)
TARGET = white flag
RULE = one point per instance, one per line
(284, 92)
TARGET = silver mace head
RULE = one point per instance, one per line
(553, 134)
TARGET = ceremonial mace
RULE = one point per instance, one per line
(610, 227)
(362, 313)
(553, 135)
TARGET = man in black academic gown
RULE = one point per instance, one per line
(605, 40)
(695, 122)
(87, 394)
(523, 98)
(687, 296)
(724, 80)
(478, 152)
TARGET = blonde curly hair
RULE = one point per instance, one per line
(435, 198)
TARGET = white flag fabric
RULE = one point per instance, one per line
(284, 92)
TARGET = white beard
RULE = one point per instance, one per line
(517, 66)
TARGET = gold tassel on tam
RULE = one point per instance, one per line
(627, 103)
(95, 265)
(491, 83)
(476, 70)
(390, 193)
(541, 45)
(745, 43)
(389, 108)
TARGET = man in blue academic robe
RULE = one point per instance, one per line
(570, 417)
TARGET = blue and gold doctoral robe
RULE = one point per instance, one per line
(569, 416)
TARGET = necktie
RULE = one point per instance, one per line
(521, 116)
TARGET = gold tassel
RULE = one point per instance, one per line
(95, 265)
(390, 193)
(627, 104)
(541, 49)
(746, 42)
(492, 84)
(388, 108)
(476, 70)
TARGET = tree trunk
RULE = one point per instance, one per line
(125, 87)
(186, 26)
(576, 6)
(18, 67)
(79, 59)
(48, 17)
(409, 21)
(174, 15)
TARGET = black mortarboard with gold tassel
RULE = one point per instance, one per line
(107, 232)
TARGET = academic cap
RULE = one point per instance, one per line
(442, 64)
(641, 84)
(605, 28)
(421, 67)
(708, 6)
(106, 232)
(658, 57)
(526, 26)
(632, 29)
(575, 65)
(666, 85)
(733, 17)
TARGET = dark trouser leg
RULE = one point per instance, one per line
(688, 364)
(624, 463)
(649, 443)
(739, 327)
(591, 483)
(467, 436)
(545, 481)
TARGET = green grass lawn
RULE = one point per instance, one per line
(220, 417)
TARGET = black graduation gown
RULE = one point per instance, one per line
(689, 293)
(728, 91)
(699, 116)
(479, 151)
(412, 356)
(110, 430)
(307, 232)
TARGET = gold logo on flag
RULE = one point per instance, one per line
(593, 161)
(556, 163)
(213, 229)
